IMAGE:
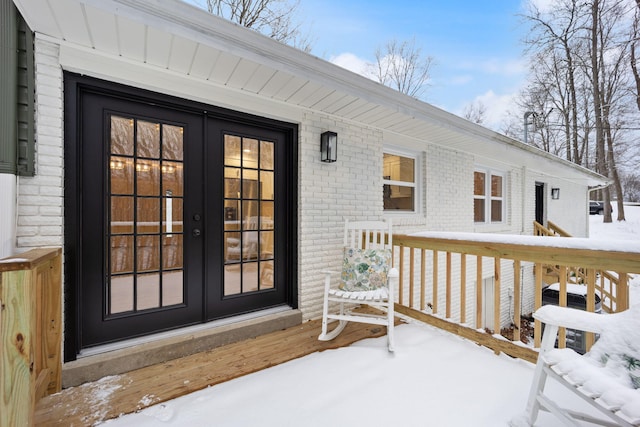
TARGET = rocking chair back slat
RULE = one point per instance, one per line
(367, 235)
(363, 235)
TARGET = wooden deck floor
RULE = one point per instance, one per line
(110, 397)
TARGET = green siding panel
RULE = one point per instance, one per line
(8, 87)
(17, 89)
(25, 101)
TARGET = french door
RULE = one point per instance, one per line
(178, 216)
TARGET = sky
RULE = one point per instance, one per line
(476, 45)
(434, 378)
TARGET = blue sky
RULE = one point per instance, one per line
(476, 45)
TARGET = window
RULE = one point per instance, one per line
(399, 182)
(488, 196)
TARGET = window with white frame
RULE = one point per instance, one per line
(399, 175)
(488, 196)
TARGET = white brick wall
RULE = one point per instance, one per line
(329, 193)
(40, 198)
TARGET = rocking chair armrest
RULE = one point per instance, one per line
(571, 318)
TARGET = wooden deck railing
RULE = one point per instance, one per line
(606, 282)
(30, 332)
(443, 281)
(551, 229)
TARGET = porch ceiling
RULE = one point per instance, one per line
(179, 37)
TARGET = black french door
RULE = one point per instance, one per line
(175, 215)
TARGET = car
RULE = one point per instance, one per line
(576, 298)
(596, 208)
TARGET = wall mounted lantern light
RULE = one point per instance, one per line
(329, 147)
(555, 193)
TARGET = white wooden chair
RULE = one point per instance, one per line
(607, 377)
(367, 279)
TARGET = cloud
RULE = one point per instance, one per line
(543, 6)
(352, 63)
(496, 108)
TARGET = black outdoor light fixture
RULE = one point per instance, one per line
(329, 147)
(555, 193)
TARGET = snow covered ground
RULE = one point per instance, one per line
(433, 379)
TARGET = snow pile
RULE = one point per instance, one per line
(433, 379)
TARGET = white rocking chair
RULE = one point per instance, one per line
(607, 377)
(367, 278)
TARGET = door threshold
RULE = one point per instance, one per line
(179, 332)
(112, 359)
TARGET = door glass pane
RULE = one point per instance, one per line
(172, 142)
(121, 294)
(121, 215)
(232, 279)
(148, 140)
(148, 291)
(266, 155)
(146, 215)
(249, 209)
(266, 275)
(172, 288)
(121, 135)
(148, 177)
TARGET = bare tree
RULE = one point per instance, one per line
(273, 18)
(554, 39)
(635, 36)
(579, 53)
(401, 66)
(475, 112)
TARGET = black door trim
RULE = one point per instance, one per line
(75, 87)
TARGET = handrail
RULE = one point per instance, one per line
(438, 271)
(604, 286)
(552, 229)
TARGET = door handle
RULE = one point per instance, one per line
(196, 232)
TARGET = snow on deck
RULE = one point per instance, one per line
(549, 241)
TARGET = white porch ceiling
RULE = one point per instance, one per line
(181, 38)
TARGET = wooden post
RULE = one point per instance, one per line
(537, 329)
(411, 275)
(463, 288)
(496, 295)
(591, 303)
(435, 282)
(401, 276)
(479, 291)
(30, 333)
(423, 279)
(447, 298)
(622, 293)
(562, 302)
(516, 299)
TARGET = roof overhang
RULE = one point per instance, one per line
(185, 40)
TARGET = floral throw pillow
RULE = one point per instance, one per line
(365, 269)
